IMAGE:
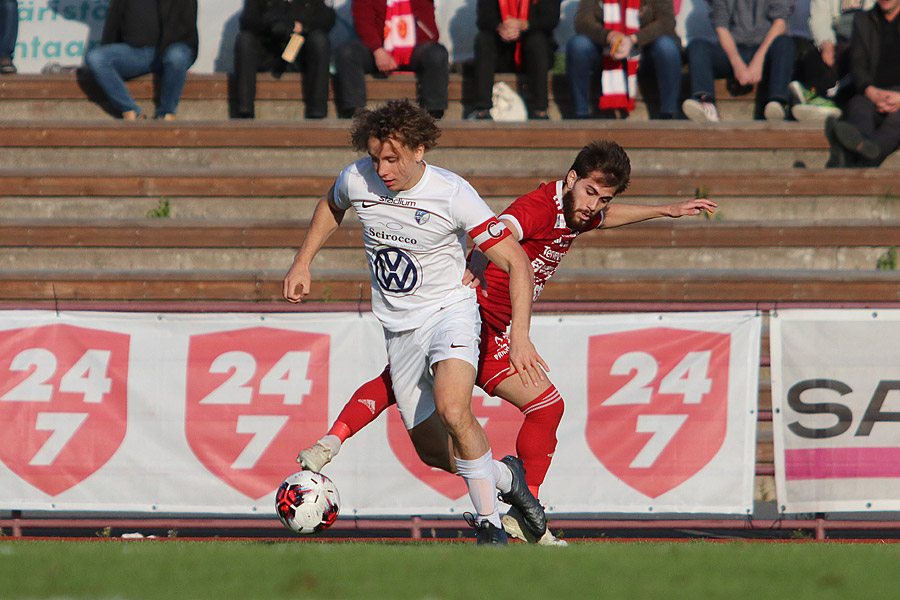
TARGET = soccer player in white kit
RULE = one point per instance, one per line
(415, 217)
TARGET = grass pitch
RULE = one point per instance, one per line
(433, 570)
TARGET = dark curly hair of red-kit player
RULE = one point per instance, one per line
(606, 157)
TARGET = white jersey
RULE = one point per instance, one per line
(415, 239)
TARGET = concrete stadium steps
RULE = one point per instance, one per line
(74, 96)
(211, 245)
(343, 290)
(463, 145)
(779, 195)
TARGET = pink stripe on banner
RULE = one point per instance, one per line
(841, 463)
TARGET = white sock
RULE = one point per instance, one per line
(503, 476)
(333, 442)
(479, 476)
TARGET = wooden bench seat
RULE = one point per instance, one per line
(112, 183)
(566, 135)
(79, 85)
(611, 286)
(697, 233)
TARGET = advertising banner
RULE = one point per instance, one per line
(836, 404)
(206, 413)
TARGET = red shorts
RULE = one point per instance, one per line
(493, 359)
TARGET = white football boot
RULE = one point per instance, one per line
(319, 454)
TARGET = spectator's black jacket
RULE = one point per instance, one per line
(274, 19)
(866, 47)
(178, 23)
(543, 15)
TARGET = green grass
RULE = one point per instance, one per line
(224, 570)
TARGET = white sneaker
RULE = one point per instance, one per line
(315, 457)
(514, 526)
(816, 113)
(798, 92)
(774, 111)
(704, 112)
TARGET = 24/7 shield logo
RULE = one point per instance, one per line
(251, 395)
(63, 404)
(657, 404)
(501, 422)
(397, 272)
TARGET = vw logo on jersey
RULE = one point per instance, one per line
(422, 216)
(396, 271)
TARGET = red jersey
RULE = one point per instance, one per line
(545, 238)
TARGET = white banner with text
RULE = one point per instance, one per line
(206, 413)
(836, 409)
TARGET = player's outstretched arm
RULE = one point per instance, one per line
(326, 219)
(618, 214)
(523, 356)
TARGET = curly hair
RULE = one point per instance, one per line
(399, 120)
(607, 157)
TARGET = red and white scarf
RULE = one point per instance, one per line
(515, 9)
(399, 30)
(618, 81)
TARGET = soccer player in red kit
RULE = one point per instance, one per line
(545, 222)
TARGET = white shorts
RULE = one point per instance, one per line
(452, 332)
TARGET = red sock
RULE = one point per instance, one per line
(537, 436)
(364, 406)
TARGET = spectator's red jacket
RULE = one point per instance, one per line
(368, 20)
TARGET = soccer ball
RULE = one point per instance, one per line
(307, 502)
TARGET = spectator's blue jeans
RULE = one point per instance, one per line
(708, 61)
(112, 64)
(583, 57)
(9, 27)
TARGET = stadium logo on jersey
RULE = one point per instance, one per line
(388, 200)
(657, 404)
(422, 216)
(396, 271)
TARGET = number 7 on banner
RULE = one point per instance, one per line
(657, 404)
(63, 405)
(252, 394)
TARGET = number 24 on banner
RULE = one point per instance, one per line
(657, 404)
(254, 395)
(63, 404)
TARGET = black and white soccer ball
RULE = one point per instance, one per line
(307, 502)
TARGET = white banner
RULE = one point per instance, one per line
(836, 401)
(206, 413)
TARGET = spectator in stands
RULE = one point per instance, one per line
(393, 35)
(514, 35)
(823, 82)
(142, 37)
(871, 131)
(606, 39)
(9, 32)
(753, 44)
(266, 28)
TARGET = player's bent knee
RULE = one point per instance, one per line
(432, 444)
(457, 419)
